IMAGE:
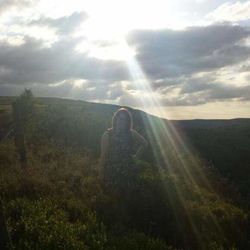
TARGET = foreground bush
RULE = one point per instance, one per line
(41, 224)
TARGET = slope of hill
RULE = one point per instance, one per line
(59, 202)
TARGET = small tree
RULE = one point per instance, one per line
(26, 105)
(23, 108)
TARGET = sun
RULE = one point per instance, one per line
(112, 18)
(110, 21)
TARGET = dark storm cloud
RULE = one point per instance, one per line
(96, 90)
(204, 92)
(169, 58)
(193, 90)
(210, 89)
(166, 83)
(196, 84)
(222, 91)
(34, 63)
(63, 25)
(216, 94)
(169, 53)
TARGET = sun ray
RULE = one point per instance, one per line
(167, 137)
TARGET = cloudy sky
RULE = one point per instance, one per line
(180, 59)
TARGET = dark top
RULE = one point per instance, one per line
(120, 170)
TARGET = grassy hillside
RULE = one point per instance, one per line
(224, 144)
(182, 203)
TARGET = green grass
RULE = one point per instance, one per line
(60, 203)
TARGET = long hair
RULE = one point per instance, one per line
(129, 120)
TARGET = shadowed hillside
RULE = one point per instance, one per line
(224, 144)
(183, 202)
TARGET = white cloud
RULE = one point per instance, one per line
(232, 12)
(71, 50)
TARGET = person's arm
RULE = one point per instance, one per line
(141, 141)
(104, 150)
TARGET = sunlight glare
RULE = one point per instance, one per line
(112, 20)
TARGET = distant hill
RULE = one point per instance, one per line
(217, 123)
(225, 144)
(179, 198)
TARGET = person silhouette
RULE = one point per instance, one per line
(118, 168)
